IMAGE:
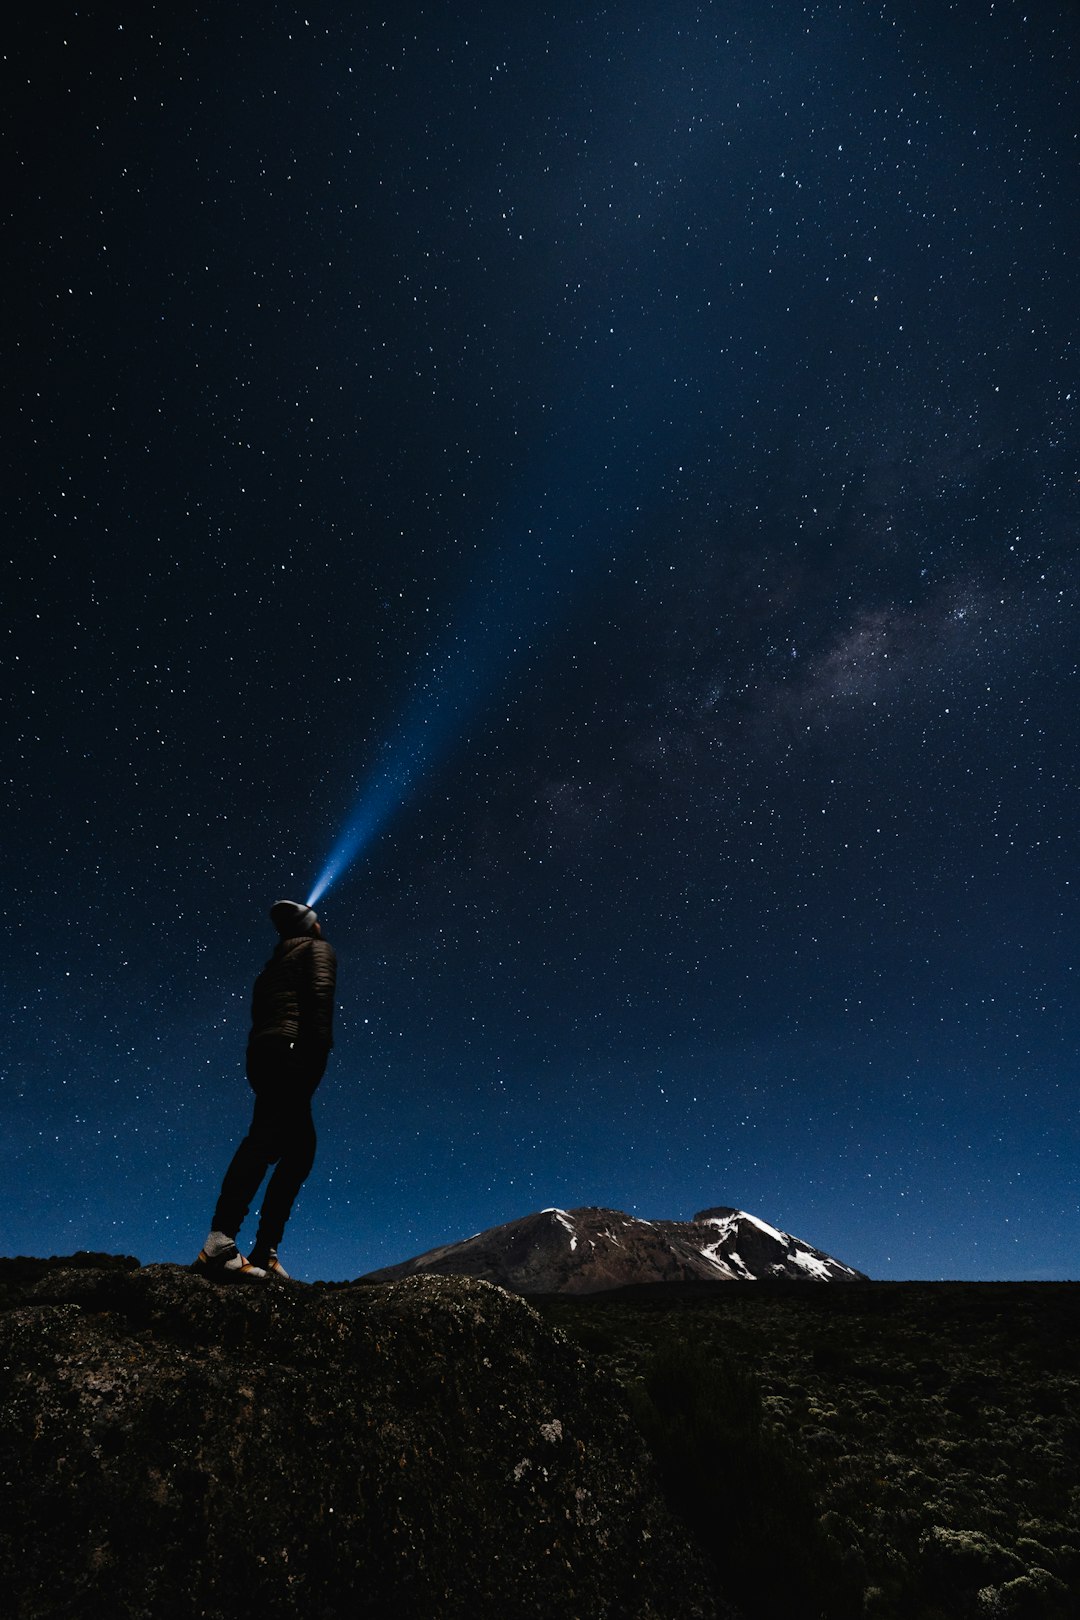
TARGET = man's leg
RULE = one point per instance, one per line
(290, 1173)
(295, 1143)
(242, 1181)
(258, 1150)
(219, 1257)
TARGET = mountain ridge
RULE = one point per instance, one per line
(592, 1249)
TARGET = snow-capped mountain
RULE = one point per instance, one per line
(584, 1251)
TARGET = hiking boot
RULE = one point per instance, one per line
(227, 1265)
(273, 1266)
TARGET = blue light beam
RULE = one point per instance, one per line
(628, 419)
(527, 587)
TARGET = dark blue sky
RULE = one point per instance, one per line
(651, 430)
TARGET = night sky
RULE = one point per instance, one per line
(620, 460)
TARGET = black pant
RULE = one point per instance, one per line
(283, 1078)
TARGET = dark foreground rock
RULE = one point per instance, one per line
(422, 1449)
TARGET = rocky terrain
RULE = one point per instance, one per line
(431, 1447)
(583, 1251)
(422, 1449)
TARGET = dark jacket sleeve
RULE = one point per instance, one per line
(317, 1020)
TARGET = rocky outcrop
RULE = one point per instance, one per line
(587, 1251)
(423, 1449)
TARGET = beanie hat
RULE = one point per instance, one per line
(290, 918)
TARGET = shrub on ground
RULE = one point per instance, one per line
(739, 1488)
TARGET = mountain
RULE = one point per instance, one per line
(585, 1251)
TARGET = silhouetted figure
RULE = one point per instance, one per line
(292, 1016)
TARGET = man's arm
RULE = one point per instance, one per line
(317, 1027)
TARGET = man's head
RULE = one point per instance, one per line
(291, 918)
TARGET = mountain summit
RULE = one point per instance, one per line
(585, 1251)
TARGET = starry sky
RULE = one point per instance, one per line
(620, 461)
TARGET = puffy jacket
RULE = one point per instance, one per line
(294, 994)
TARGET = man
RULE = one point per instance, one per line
(292, 1014)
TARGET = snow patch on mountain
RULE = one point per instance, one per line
(564, 1220)
(739, 1266)
(763, 1226)
(811, 1263)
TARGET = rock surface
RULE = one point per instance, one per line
(424, 1449)
(585, 1251)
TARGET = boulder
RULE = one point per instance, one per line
(426, 1448)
